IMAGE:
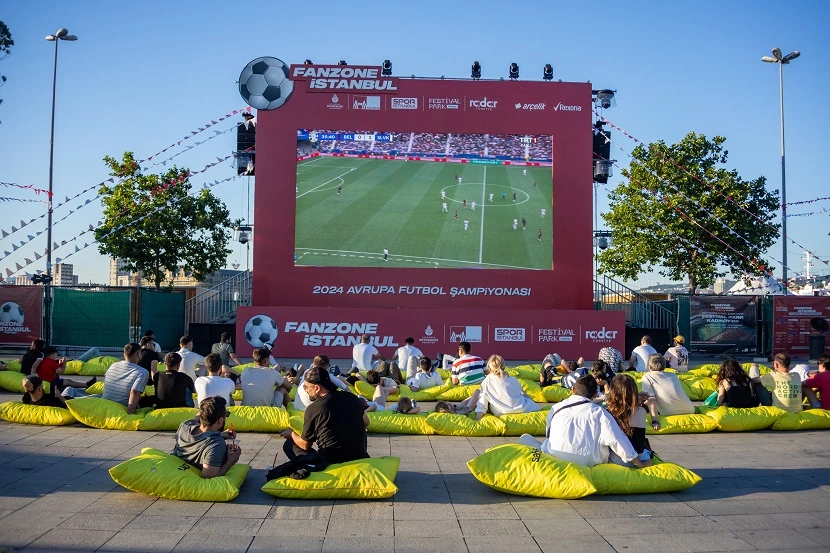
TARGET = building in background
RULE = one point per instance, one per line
(119, 276)
(63, 274)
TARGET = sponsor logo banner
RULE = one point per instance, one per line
(509, 334)
(482, 104)
(443, 103)
(20, 314)
(328, 78)
(465, 334)
(335, 102)
(601, 336)
(404, 103)
(791, 329)
(562, 107)
(530, 107)
(368, 103)
(556, 335)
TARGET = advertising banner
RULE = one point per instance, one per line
(723, 324)
(791, 329)
(21, 314)
(303, 332)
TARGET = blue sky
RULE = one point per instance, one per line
(143, 75)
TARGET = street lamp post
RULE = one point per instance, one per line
(61, 34)
(782, 61)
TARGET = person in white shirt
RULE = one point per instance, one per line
(543, 212)
(491, 198)
(515, 224)
(582, 432)
(425, 377)
(677, 356)
(190, 359)
(502, 394)
(301, 398)
(466, 224)
(214, 384)
(640, 354)
(403, 354)
(444, 208)
(365, 356)
(262, 385)
(443, 195)
(473, 206)
(665, 394)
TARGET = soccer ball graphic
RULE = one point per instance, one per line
(264, 83)
(10, 312)
(261, 330)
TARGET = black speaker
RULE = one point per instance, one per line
(602, 147)
(245, 148)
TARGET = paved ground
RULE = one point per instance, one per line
(761, 491)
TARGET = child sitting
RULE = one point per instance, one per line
(51, 367)
(426, 377)
(406, 406)
(461, 408)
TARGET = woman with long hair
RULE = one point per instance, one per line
(734, 386)
(32, 358)
(624, 403)
(502, 394)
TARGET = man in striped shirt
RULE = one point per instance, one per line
(467, 369)
(125, 380)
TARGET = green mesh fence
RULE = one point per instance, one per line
(90, 319)
(163, 313)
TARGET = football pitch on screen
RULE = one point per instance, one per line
(397, 206)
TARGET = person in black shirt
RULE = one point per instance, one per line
(36, 396)
(173, 389)
(334, 421)
(734, 386)
(149, 357)
(32, 358)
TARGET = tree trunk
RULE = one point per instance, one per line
(692, 284)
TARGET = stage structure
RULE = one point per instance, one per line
(440, 209)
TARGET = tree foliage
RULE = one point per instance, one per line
(6, 44)
(682, 210)
(153, 224)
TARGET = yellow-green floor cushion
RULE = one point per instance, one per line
(98, 388)
(522, 470)
(364, 479)
(97, 366)
(167, 419)
(528, 372)
(246, 418)
(699, 388)
(532, 390)
(12, 381)
(73, 367)
(14, 365)
(15, 411)
(658, 478)
(390, 422)
(810, 419)
(683, 424)
(457, 393)
(525, 423)
(555, 393)
(102, 413)
(743, 420)
(448, 424)
(367, 390)
(160, 474)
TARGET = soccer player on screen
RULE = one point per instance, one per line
(504, 196)
(466, 224)
(524, 171)
(464, 204)
(524, 223)
(456, 215)
(339, 189)
(385, 254)
(491, 198)
(443, 195)
(543, 212)
(459, 180)
(539, 237)
(515, 224)
(534, 184)
(473, 206)
(444, 208)
(514, 197)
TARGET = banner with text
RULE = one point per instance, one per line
(304, 332)
(724, 324)
(21, 314)
(791, 329)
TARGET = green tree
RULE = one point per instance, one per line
(682, 210)
(153, 224)
(6, 44)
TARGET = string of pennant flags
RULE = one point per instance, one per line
(22, 200)
(825, 210)
(25, 187)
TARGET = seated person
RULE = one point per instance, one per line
(734, 386)
(149, 356)
(582, 432)
(626, 406)
(36, 396)
(467, 369)
(125, 381)
(573, 372)
(550, 369)
(301, 399)
(821, 382)
(214, 384)
(366, 356)
(406, 352)
(389, 370)
(786, 386)
(384, 386)
(406, 406)
(603, 375)
(501, 393)
(173, 388)
(201, 442)
(49, 369)
(461, 408)
(426, 377)
(230, 374)
(665, 394)
(262, 385)
(677, 356)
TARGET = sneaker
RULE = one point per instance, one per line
(91, 381)
(299, 474)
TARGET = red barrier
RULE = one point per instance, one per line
(791, 328)
(21, 314)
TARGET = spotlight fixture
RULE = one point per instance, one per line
(386, 70)
(513, 72)
(476, 71)
(604, 98)
(308, 62)
(547, 72)
(342, 62)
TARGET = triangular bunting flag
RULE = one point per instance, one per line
(37, 256)
(63, 242)
(28, 261)
(14, 247)
(77, 249)
(213, 122)
(58, 260)
(18, 266)
(5, 233)
(14, 229)
(28, 275)
(7, 253)
(22, 223)
(8, 272)
(87, 201)
(90, 227)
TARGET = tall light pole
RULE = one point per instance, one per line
(782, 61)
(61, 34)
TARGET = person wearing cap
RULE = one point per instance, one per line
(262, 385)
(33, 386)
(640, 354)
(151, 335)
(201, 442)
(334, 422)
(677, 356)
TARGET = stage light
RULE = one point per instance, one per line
(547, 72)
(513, 72)
(386, 70)
(605, 99)
(476, 71)
(342, 62)
(308, 62)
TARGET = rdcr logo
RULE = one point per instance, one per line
(601, 334)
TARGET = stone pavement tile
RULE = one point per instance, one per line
(284, 528)
(237, 510)
(776, 539)
(645, 543)
(70, 502)
(18, 528)
(59, 539)
(493, 527)
(206, 543)
(360, 527)
(139, 541)
(179, 508)
(600, 507)
(286, 544)
(350, 544)
(575, 544)
(746, 522)
(231, 526)
(514, 544)
(711, 541)
(112, 520)
(4, 512)
(13, 503)
(624, 525)
(418, 530)
(422, 511)
(162, 523)
(801, 520)
(379, 510)
(543, 509)
(405, 544)
(818, 535)
(499, 511)
(302, 510)
(108, 504)
(673, 508)
(686, 524)
(20, 536)
(565, 527)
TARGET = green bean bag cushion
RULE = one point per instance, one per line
(102, 413)
(523, 470)
(457, 393)
(364, 479)
(444, 374)
(295, 422)
(73, 367)
(528, 372)
(98, 388)
(533, 390)
(97, 366)
(247, 418)
(658, 478)
(160, 474)
(389, 422)
(683, 424)
(810, 419)
(236, 395)
(525, 423)
(699, 387)
(12, 381)
(709, 369)
(555, 393)
(15, 411)
(447, 424)
(743, 420)
(167, 419)
(763, 369)
(367, 390)
(14, 365)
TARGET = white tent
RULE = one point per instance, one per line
(757, 286)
